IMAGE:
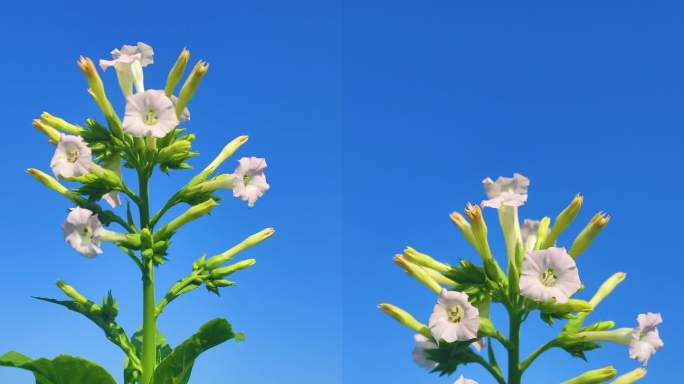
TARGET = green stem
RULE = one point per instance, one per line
(526, 363)
(149, 348)
(492, 370)
(514, 371)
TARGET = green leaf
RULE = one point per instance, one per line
(63, 369)
(177, 367)
(449, 356)
(163, 347)
(470, 279)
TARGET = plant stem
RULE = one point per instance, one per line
(514, 371)
(149, 348)
(526, 363)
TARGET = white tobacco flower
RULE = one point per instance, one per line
(250, 181)
(185, 115)
(549, 274)
(645, 340)
(83, 231)
(129, 62)
(506, 191)
(463, 380)
(528, 232)
(112, 198)
(149, 113)
(454, 318)
(72, 157)
(419, 351)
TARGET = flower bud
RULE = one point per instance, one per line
(607, 287)
(51, 183)
(479, 228)
(425, 260)
(418, 273)
(630, 377)
(406, 319)
(179, 147)
(464, 226)
(193, 213)
(177, 71)
(588, 234)
(72, 292)
(542, 232)
(439, 278)
(111, 178)
(223, 283)
(572, 305)
(563, 220)
(618, 336)
(190, 86)
(599, 326)
(51, 133)
(61, 124)
(486, 327)
(249, 242)
(96, 89)
(225, 153)
(594, 376)
(229, 269)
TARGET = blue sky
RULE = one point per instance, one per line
(377, 119)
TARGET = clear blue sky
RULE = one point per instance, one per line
(377, 119)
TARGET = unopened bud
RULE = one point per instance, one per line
(193, 213)
(229, 269)
(425, 260)
(50, 182)
(563, 220)
(630, 377)
(594, 376)
(96, 89)
(61, 124)
(225, 153)
(406, 319)
(572, 305)
(249, 242)
(418, 273)
(190, 86)
(72, 292)
(464, 226)
(542, 232)
(51, 133)
(588, 234)
(176, 72)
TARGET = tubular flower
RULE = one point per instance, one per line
(83, 231)
(645, 340)
(112, 198)
(463, 380)
(72, 157)
(149, 113)
(507, 191)
(128, 62)
(454, 318)
(250, 181)
(528, 232)
(549, 274)
(419, 351)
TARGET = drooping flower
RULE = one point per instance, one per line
(463, 380)
(454, 318)
(549, 274)
(129, 62)
(645, 340)
(149, 113)
(506, 191)
(185, 115)
(528, 232)
(420, 355)
(72, 157)
(250, 181)
(83, 231)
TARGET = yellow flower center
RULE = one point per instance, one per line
(455, 314)
(549, 278)
(150, 118)
(72, 155)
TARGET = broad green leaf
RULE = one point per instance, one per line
(177, 367)
(163, 350)
(63, 369)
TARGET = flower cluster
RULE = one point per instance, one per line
(541, 277)
(87, 165)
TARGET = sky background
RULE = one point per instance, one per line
(377, 119)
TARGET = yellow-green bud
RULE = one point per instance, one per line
(190, 86)
(630, 377)
(604, 290)
(406, 319)
(72, 292)
(486, 327)
(225, 153)
(50, 182)
(542, 232)
(572, 305)
(249, 242)
(97, 90)
(439, 278)
(618, 336)
(178, 147)
(229, 269)
(193, 213)
(479, 228)
(588, 234)
(60, 124)
(594, 376)
(425, 260)
(464, 226)
(176, 72)
(418, 273)
(51, 133)
(563, 220)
